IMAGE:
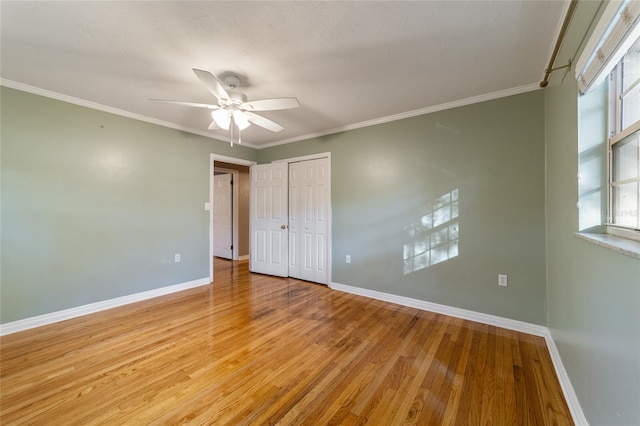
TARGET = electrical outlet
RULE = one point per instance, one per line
(502, 280)
(347, 258)
(177, 258)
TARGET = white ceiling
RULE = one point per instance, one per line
(348, 63)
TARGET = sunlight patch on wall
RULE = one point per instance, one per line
(433, 238)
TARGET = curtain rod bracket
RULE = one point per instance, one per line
(564, 66)
(556, 49)
(547, 72)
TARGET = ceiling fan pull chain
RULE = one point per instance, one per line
(231, 130)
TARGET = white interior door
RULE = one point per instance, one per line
(269, 219)
(309, 194)
(222, 216)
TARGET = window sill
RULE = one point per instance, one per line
(621, 245)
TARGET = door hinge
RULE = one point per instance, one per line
(231, 247)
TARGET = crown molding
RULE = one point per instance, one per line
(104, 108)
(409, 114)
(387, 119)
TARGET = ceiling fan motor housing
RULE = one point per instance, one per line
(235, 98)
(232, 81)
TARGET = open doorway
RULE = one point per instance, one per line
(231, 211)
(238, 171)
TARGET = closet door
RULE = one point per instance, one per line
(268, 219)
(309, 194)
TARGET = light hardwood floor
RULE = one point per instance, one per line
(253, 350)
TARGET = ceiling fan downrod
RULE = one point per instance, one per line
(231, 126)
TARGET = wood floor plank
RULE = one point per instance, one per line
(251, 349)
(488, 387)
(452, 408)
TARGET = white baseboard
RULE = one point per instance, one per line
(569, 393)
(510, 324)
(50, 318)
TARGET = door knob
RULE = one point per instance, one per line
(283, 227)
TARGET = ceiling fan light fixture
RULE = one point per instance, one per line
(222, 117)
(241, 119)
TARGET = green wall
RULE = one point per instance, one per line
(593, 294)
(388, 178)
(95, 205)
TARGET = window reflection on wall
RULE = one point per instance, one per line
(433, 238)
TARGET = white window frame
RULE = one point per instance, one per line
(616, 30)
(617, 134)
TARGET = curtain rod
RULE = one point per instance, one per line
(554, 55)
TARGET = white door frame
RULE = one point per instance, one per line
(231, 160)
(326, 155)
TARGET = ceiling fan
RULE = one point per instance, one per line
(233, 110)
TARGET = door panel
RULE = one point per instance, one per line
(268, 219)
(308, 212)
(222, 216)
(295, 225)
(321, 250)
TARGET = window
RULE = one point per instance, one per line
(624, 142)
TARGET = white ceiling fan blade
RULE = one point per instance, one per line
(271, 104)
(191, 104)
(213, 126)
(212, 83)
(259, 120)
